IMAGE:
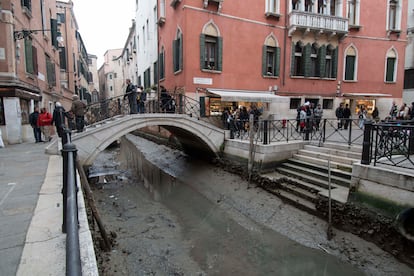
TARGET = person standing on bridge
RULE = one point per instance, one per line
(131, 93)
(78, 109)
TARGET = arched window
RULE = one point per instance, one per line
(178, 52)
(391, 66)
(298, 62)
(270, 57)
(211, 48)
(350, 64)
(315, 67)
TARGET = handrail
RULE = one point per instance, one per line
(70, 224)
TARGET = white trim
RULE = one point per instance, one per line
(228, 95)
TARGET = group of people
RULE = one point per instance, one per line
(405, 112)
(43, 121)
(238, 119)
(136, 97)
(309, 117)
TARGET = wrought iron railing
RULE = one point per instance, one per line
(389, 143)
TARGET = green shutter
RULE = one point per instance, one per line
(322, 60)
(219, 53)
(28, 56)
(202, 50)
(53, 27)
(202, 106)
(335, 63)
(180, 58)
(307, 50)
(349, 67)
(277, 62)
(292, 60)
(390, 70)
(174, 44)
(264, 65)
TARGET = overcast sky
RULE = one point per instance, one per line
(104, 24)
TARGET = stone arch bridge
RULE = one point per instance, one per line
(195, 135)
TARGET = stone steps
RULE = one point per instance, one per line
(305, 177)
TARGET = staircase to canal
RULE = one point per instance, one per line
(308, 174)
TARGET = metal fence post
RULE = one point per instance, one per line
(265, 132)
(366, 144)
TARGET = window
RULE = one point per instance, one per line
(392, 15)
(62, 58)
(51, 72)
(162, 63)
(211, 45)
(30, 57)
(178, 52)
(294, 103)
(327, 104)
(147, 78)
(330, 62)
(353, 12)
(295, 4)
(24, 107)
(298, 64)
(350, 64)
(315, 67)
(27, 4)
(272, 7)
(308, 5)
(390, 73)
(271, 58)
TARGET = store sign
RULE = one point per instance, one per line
(208, 81)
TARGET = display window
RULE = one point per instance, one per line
(368, 104)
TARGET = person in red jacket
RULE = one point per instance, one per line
(45, 122)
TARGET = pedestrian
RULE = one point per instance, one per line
(59, 115)
(339, 113)
(44, 121)
(131, 93)
(347, 116)
(362, 115)
(141, 98)
(412, 111)
(317, 115)
(375, 115)
(393, 111)
(78, 110)
(33, 120)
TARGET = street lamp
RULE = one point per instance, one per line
(18, 35)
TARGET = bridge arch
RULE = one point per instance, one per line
(193, 134)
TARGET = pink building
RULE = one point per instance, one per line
(322, 51)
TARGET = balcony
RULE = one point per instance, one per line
(306, 22)
(219, 4)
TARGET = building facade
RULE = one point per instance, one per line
(408, 96)
(40, 50)
(324, 52)
(111, 79)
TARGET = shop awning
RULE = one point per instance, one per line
(247, 96)
(365, 95)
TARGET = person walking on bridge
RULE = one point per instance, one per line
(131, 93)
(78, 109)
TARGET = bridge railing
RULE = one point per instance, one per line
(389, 143)
(327, 130)
(175, 103)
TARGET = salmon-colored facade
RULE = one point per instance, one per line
(349, 51)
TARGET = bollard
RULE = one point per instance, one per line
(366, 144)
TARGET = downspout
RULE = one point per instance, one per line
(284, 45)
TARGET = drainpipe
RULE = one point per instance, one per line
(284, 44)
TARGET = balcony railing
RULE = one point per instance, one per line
(315, 22)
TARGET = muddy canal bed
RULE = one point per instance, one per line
(197, 219)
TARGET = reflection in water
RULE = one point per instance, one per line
(222, 246)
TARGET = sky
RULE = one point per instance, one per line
(103, 24)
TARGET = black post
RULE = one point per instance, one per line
(366, 144)
(307, 130)
(411, 141)
(65, 185)
(265, 132)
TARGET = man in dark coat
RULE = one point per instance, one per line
(33, 118)
(78, 109)
(59, 115)
(131, 93)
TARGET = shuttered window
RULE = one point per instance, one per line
(270, 61)
(211, 49)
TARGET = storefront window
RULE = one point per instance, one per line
(368, 104)
(24, 105)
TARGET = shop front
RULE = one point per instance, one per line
(217, 100)
(367, 100)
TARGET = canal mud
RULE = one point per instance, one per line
(153, 221)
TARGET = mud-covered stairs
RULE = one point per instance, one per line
(304, 178)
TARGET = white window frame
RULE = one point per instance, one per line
(357, 12)
(273, 6)
(397, 16)
(355, 77)
(394, 78)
